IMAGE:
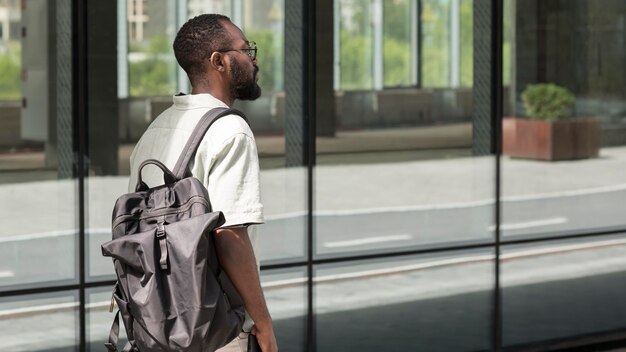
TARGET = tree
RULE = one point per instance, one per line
(10, 85)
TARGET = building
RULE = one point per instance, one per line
(393, 220)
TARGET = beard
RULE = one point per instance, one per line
(243, 88)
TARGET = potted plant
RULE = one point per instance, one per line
(549, 133)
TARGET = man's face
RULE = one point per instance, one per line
(243, 80)
(243, 69)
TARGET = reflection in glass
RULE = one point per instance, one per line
(283, 180)
(146, 92)
(399, 59)
(284, 290)
(40, 322)
(151, 63)
(285, 293)
(36, 145)
(397, 169)
(436, 24)
(406, 304)
(552, 181)
(356, 44)
(99, 319)
(560, 289)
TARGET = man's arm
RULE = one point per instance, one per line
(236, 256)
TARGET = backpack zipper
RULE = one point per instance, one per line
(167, 211)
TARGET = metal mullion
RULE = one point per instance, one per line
(497, 112)
(420, 49)
(79, 113)
(309, 102)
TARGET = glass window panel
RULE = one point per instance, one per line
(568, 175)
(151, 63)
(559, 289)
(37, 186)
(406, 304)
(99, 319)
(278, 130)
(152, 26)
(43, 322)
(397, 165)
(285, 294)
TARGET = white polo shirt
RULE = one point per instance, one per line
(226, 161)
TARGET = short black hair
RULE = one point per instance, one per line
(197, 39)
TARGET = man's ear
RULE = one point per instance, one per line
(217, 61)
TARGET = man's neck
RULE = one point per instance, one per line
(217, 93)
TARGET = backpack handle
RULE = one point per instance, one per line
(168, 176)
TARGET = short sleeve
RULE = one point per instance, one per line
(232, 180)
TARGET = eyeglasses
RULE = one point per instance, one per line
(250, 50)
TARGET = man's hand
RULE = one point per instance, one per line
(266, 338)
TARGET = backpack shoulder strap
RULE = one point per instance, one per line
(181, 169)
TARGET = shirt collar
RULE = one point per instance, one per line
(189, 101)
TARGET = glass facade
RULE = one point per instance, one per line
(400, 212)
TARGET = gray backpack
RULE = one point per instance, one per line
(170, 289)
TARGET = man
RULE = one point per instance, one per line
(221, 65)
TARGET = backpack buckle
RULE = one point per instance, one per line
(160, 235)
(160, 230)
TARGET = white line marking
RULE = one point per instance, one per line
(6, 273)
(451, 261)
(572, 193)
(561, 249)
(529, 224)
(36, 236)
(43, 308)
(405, 268)
(52, 234)
(447, 206)
(369, 240)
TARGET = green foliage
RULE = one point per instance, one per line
(270, 49)
(10, 85)
(396, 43)
(159, 44)
(396, 19)
(435, 43)
(149, 77)
(507, 39)
(355, 61)
(547, 101)
(152, 75)
(467, 43)
(396, 62)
